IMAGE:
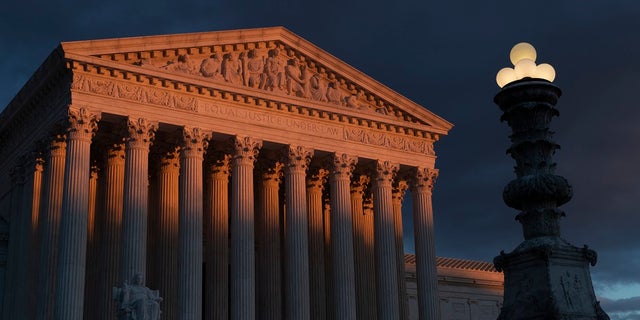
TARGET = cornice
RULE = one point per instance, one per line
(183, 86)
(167, 48)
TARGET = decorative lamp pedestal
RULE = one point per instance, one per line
(545, 276)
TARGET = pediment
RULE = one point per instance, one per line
(268, 61)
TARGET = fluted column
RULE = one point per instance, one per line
(167, 244)
(90, 289)
(399, 190)
(297, 296)
(242, 229)
(13, 261)
(365, 309)
(269, 255)
(217, 250)
(73, 225)
(111, 228)
(190, 253)
(328, 257)
(50, 226)
(134, 214)
(315, 186)
(369, 264)
(342, 237)
(384, 241)
(33, 165)
(426, 276)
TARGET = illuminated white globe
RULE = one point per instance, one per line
(545, 71)
(522, 51)
(525, 68)
(505, 76)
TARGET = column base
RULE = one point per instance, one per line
(548, 278)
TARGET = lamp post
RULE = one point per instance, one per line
(545, 276)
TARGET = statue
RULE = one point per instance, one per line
(137, 302)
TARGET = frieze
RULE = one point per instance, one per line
(389, 141)
(172, 100)
(272, 67)
(123, 90)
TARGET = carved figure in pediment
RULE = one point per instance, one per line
(232, 69)
(333, 93)
(274, 72)
(212, 67)
(254, 70)
(354, 101)
(317, 88)
(295, 81)
(184, 64)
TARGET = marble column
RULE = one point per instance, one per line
(69, 289)
(13, 261)
(426, 276)
(30, 209)
(190, 224)
(297, 296)
(26, 220)
(92, 263)
(328, 257)
(369, 264)
(217, 250)
(315, 185)
(135, 211)
(167, 232)
(269, 255)
(242, 229)
(111, 228)
(50, 226)
(399, 190)
(384, 241)
(344, 290)
(365, 310)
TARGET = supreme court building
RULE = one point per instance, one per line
(244, 173)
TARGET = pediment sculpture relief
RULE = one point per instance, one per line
(273, 70)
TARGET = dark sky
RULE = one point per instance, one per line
(443, 55)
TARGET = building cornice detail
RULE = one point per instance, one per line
(203, 100)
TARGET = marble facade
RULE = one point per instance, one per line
(243, 172)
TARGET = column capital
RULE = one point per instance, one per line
(385, 172)
(359, 184)
(399, 190)
(317, 178)
(342, 165)
(298, 157)
(246, 148)
(424, 179)
(141, 133)
(195, 141)
(220, 165)
(82, 123)
(170, 159)
(270, 170)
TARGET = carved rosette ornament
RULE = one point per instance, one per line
(545, 276)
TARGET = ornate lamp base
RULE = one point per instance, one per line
(547, 278)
